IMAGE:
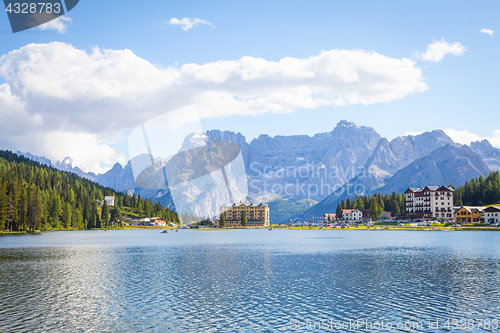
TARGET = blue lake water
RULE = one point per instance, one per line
(250, 281)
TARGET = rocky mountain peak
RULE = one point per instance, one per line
(490, 154)
(345, 123)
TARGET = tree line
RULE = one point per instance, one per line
(376, 204)
(34, 196)
(479, 191)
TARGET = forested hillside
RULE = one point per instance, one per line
(479, 191)
(377, 203)
(35, 196)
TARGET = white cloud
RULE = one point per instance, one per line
(187, 23)
(465, 137)
(53, 90)
(487, 31)
(413, 133)
(59, 24)
(437, 50)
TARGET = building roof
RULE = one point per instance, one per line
(348, 211)
(246, 205)
(431, 188)
(109, 197)
(472, 209)
(494, 209)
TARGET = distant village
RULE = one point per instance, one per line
(428, 204)
(424, 205)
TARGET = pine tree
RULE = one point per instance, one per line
(348, 204)
(105, 213)
(222, 220)
(67, 216)
(338, 213)
(11, 212)
(375, 210)
(244, 219)
(35, 196)
(77, 219)
(360, 204)
(4, 203)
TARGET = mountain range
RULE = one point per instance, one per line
(67, 164)
(304, 176)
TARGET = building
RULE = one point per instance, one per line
(430, 202)
(492, 215)
(352, 214)
(157, 222)
(470, 214)
(385, 215)
(110, 201)
(257, 215)
(329, 217)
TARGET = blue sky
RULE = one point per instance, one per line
(461, 90)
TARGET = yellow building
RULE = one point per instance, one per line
(257, 215)
(469, 214)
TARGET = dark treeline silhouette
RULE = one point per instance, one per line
(35, 196)
(479, 191)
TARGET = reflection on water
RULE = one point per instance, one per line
(245, 280)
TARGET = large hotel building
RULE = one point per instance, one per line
(430, 201)
(257, 215)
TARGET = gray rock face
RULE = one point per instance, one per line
(490, 154)
(303, 167)
(327, 167)
(451, 164)
(447, 165)
(228, 136)
(390, 157)
(387, 158)
(408, 148)
(118, 178)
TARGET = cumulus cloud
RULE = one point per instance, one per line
(487, 31)
(59, 24)
(437, 50)
(187, 23)
(465, 137)
(56, 88)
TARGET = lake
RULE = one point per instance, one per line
(250, 281)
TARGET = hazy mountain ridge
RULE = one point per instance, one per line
(490, 154)
(388, 158)
(451, 164)
(67, 164)
(347, 159)
(447, 165)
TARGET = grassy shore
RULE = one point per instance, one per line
(18, 232)
(472, 227)
(393, 227)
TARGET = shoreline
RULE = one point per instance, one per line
(276, 227)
